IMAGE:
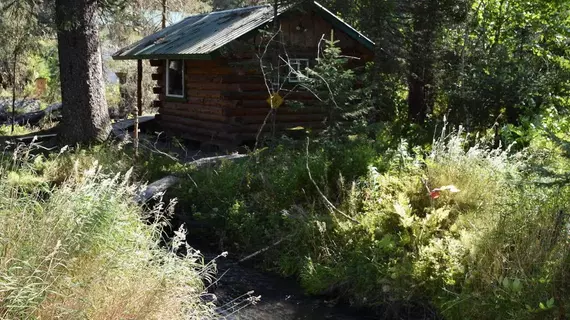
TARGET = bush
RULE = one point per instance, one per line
(81, 249)
(464, 228)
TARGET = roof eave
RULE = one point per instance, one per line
(163, 57)
(349, 30)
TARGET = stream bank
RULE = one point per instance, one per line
(280, 298)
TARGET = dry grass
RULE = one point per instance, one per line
(81, 250)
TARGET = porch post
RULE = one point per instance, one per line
(138, 109)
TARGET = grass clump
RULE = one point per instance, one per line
(81, 249)
(19, 130)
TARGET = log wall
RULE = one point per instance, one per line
(225, 101)
(227, 106)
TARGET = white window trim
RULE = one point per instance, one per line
(168, 77)
(295, 74)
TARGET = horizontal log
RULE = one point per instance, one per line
(237, 87)
(213, 160)
(205, 134)
(204, 63)
(34, 118)
(157, 76)
(157, 103)
(156, 187)
(212, 102)
(212, 94)
(251, 136)
(229, 133)
(253, 87)
(213, 86)
(264, 95)
(210, 125)
(194, 114)
(195, 107)
(265, 109)
(226, 78)
(257, 104)
(280, 118)
(157, 90)
(211, 71)
(249, 128)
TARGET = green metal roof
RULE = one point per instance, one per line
(196, 37)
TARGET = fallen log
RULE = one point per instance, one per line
(121, 128)
(205, 161)
(34, 118)
(161, 185)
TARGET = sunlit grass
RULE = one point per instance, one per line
(6, 130)
(81, 249)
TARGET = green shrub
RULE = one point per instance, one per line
(492, 244)
(6, 130)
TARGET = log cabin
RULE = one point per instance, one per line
(221, 77)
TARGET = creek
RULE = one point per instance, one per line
(281, 298)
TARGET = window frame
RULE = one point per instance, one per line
(169, 95)
(293, 76)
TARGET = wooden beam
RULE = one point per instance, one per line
(156, 63)
(194, 114)
(138, 110)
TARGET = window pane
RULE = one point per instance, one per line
(175, 78)
(298, 67)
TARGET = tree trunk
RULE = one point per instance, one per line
(85, 113)
(425, 23)
(164, 14)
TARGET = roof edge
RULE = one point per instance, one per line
(163, 57)
(344, 26)
(333, 19)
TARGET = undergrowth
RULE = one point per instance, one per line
(6, 130)
(458, 229)
(75, 245)
(462, 228)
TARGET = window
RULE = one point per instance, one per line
(298, 67)
(175, 78)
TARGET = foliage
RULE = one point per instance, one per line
(78, 249)
(476, 62)
(334, 84)
(19, 34)
(6, 130)
(509, 64)
(495, 247)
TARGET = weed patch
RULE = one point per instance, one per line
(75, 245)
(463, 227)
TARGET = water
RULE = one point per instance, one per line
(280, 298)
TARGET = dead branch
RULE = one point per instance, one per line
(327, 202)
(255, 254)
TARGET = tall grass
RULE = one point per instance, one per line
(496, 249)
(81, 249)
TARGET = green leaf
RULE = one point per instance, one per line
(516, 286)
(506, 283)
(550, 303)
